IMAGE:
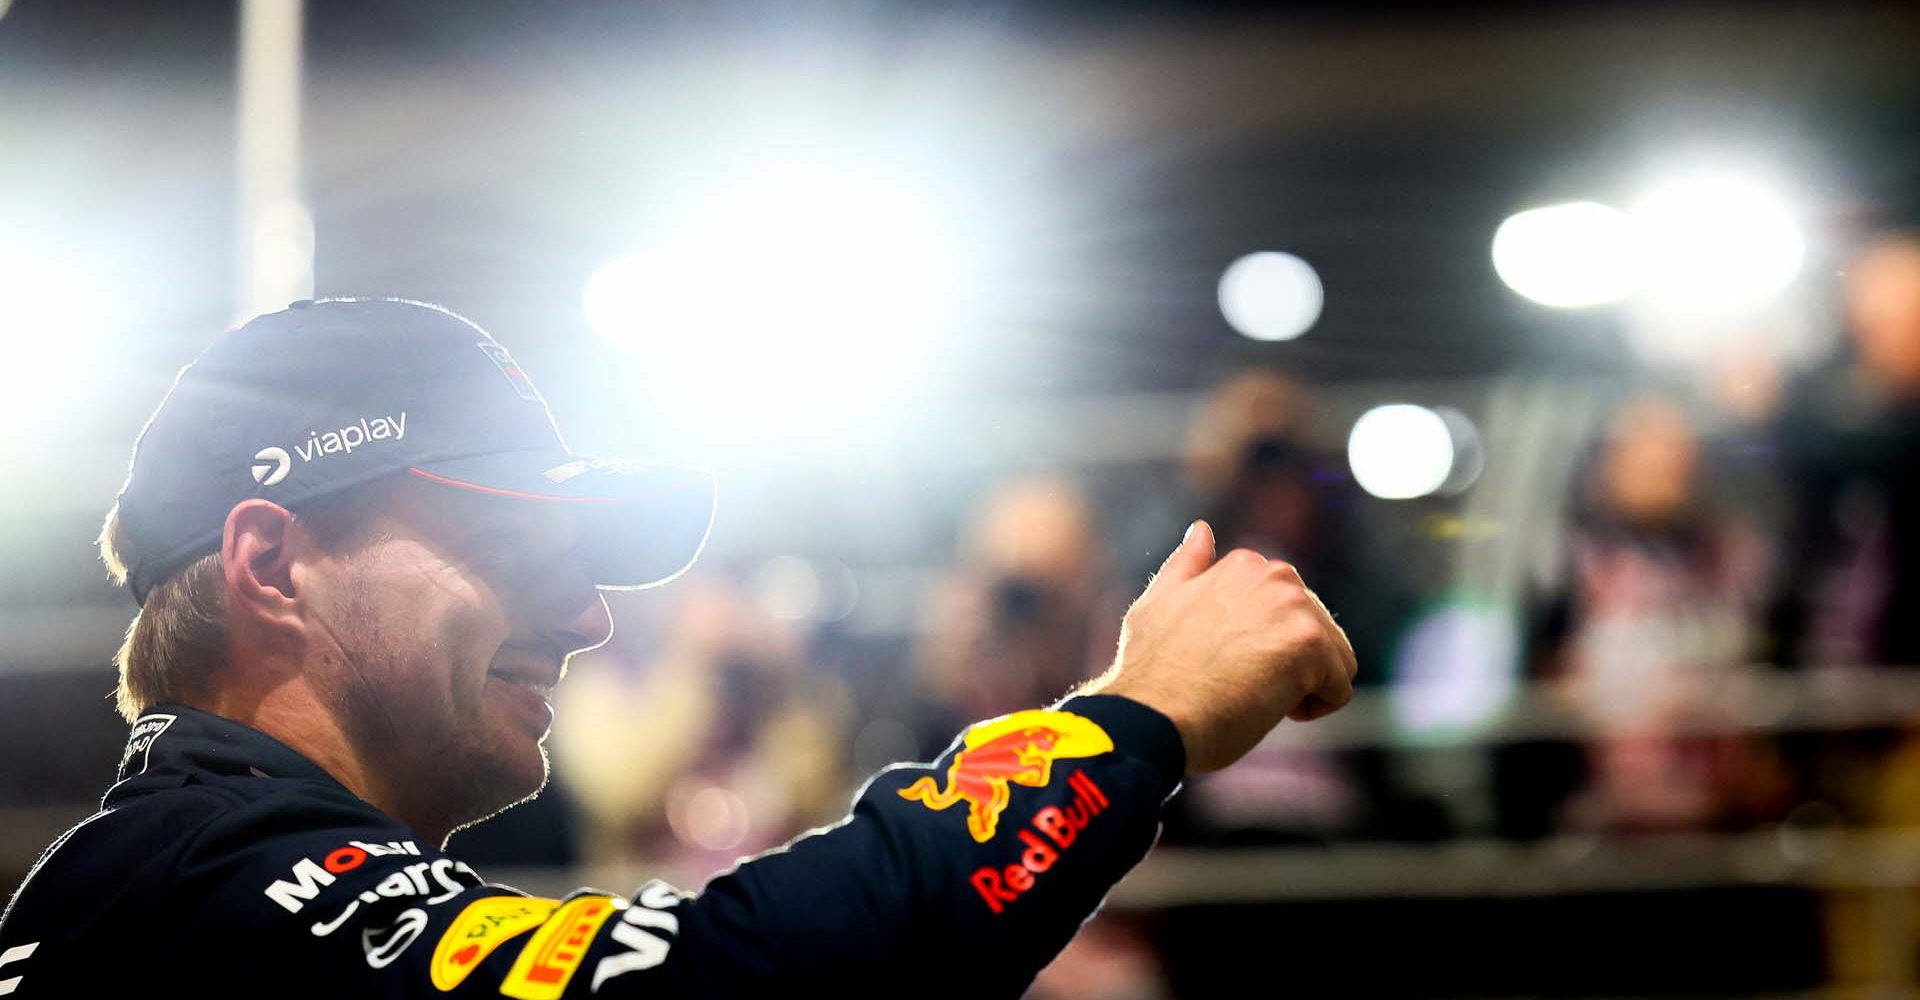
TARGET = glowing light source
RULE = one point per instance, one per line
(794, 283)
(1400, 451)
(54, 319)
(1703, 244)
(646, 301)
(1716, 241)
(281, 266)
(1568, 256)
(1271, 296)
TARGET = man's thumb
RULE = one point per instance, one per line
(1192, 557)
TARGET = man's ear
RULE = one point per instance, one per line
(258, 559)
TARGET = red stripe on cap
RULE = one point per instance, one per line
(497, 491)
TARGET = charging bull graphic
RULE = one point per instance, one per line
(1016, 749)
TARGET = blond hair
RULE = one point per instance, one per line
(180, 638)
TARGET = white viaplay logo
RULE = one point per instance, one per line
(271, 464)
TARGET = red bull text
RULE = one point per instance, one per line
(1053, 830)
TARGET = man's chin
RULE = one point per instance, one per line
(509, 768)
(508, 784)
(526, 775)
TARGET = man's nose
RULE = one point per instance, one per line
(567, 609)
(591, 624)
(594, 624)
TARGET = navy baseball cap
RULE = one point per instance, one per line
(327, 395)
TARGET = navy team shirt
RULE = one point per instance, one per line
(224, 864)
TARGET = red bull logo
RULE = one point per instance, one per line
(1053, 830)
(1017, 749)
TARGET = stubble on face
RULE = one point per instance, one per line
(416, 634)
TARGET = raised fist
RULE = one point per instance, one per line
(1227, 649)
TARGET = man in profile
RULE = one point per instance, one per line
(363, 554)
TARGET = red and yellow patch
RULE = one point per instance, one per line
(483, 926)
(1017, 749)
(548, 962)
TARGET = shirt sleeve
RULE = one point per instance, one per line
(960, 877)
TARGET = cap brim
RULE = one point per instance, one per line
(643, 524)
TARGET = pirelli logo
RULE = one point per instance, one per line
(555, 952)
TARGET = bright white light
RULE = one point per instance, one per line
(793, 284)
(1400, 451)
(646, 302)
(1715, 242)
(282, 258)
(1568, 256)
(1271, 296)
(55, 311)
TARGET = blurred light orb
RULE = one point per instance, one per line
(1271, 295)
(839, 591)
(1716, 241)
(1456, 669)
(708, 816)
(1568, 256)
(1469, 455)
(1400, 451)
(788, 589)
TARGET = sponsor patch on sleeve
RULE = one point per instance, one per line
(483, 926)
(1018, 749)
(550, 959)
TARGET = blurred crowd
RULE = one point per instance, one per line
(1772, 518)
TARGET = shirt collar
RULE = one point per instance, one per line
(173, 744)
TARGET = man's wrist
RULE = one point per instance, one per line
(1136, 728)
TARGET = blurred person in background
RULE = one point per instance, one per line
(1029, 608)
(744, 747)
(1848, 441)
(1112, 958)
(1655, 599)
(1255, 464)
(1849, 444)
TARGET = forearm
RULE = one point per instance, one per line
(985, 853)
